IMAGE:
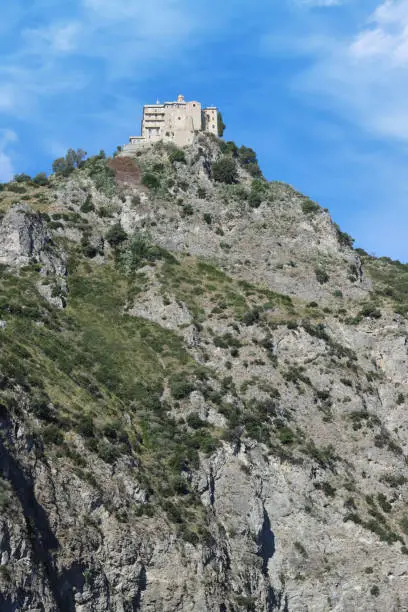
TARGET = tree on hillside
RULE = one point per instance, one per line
(247, 159)
(65, 165)
(22, 178)
(116, 235)
(41, 179)
(220, 125)
(225, 170)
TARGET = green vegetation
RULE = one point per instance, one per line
(87, 366)
(247, 160)
(344, 238)
(116, 235)
(224, 170)
(124, 384)
(321, 275)
(66, 165)
(150, 180)
(220, 125)
(87, 206)
(309, 207)
(390, 280)
(177, 155)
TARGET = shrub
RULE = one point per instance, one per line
(180, 386)
(227, 341)
(52, 435)
(194, 421)
(370, 310)
(326, 487)
(353, 274)
(22, 178)
(41, 180)
(229, 147)
(107, 452)
(207, 218)
(255, 199)
(224, 170)
(150, 180)
(309, 207)
(201, 193)
(116, 235)
(177, 155)
(220, 125)
(292, 325)
(87, 206)
(102, 175)
(16, 188)
(375, 590)
(88, 249)
(247, 159)
(404, 524)
(40, 405)
(400, 398)
(187, 210)
(384, 503)
(321, 275)
(251, 317)
(343, 238)
(104, 212)
(394, 480)
(286, 435)
(85, 426)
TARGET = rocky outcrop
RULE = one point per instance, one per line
(286, 486)
(25, 240)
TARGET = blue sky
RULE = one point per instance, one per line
(319, 88)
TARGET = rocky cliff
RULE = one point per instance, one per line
(203, 393)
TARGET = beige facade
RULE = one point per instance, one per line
(174, 122)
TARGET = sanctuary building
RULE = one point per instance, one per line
(174, 122)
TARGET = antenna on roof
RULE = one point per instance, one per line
(157, 101)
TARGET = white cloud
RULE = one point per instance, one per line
(6, 166)
(321, 3)
(128, 39)
(363, 76)
(387, 38)
(55, 38)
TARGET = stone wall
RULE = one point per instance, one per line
(174, 122)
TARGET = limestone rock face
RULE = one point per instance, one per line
(24, 240)
(278, 368)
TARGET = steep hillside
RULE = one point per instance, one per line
(203, 394)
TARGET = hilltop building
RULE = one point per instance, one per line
(174, 122)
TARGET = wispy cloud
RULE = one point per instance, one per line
(386, 38)
(319, 3)
(126, 38)
(7, 137)
(362, 75)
